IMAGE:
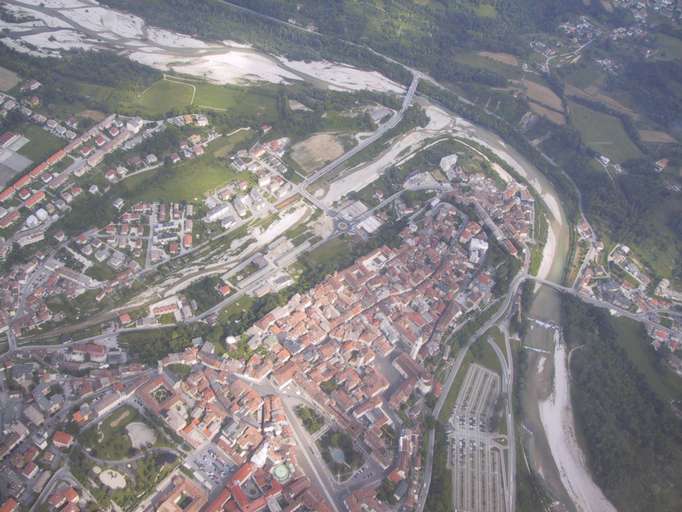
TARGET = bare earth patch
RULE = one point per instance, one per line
(608, 6)
(112, 479)
(316, 151)
(542, 94)
(8, 79)
(140, 434)
(593, 93)
(504, 58)
(95, 115)
(115, 423)
(656, 137)
(552, 115)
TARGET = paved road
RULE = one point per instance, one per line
(143, 453)
(318, 468)
(54, 479)
(383, 129)
(501, 312)
(507, 366)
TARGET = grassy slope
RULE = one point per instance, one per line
(163, 96)
(166, 96)
(603, 133)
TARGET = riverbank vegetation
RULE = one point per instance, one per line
(632, 438)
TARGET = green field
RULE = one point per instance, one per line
(223, 146)
(109, 439)
(586, 75)
(42, 144)
(178, 95)
(475, 60)
(239, 101)
(603, 133)
(670, 47)
(331, 253)
(165, 96)
(486, 11)
(186, 181)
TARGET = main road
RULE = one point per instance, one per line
(380, 132)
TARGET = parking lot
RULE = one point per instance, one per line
(477, 456)
(210, 466)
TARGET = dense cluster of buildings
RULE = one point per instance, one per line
(229, 204)
(505, 206)
(42, 394)
(624, 282)
(43, 195)
(50, 278)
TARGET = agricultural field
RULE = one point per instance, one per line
(669, 48)
(603, 133)
(495, 62)
(586, 75)
(42, 144)
(8, 79)
(544, 101)
(656, 137)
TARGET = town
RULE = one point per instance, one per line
(316, 258)
(334, 382)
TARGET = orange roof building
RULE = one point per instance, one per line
(10, 505)
(62, 439)
(35, 199)
(7, 193)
